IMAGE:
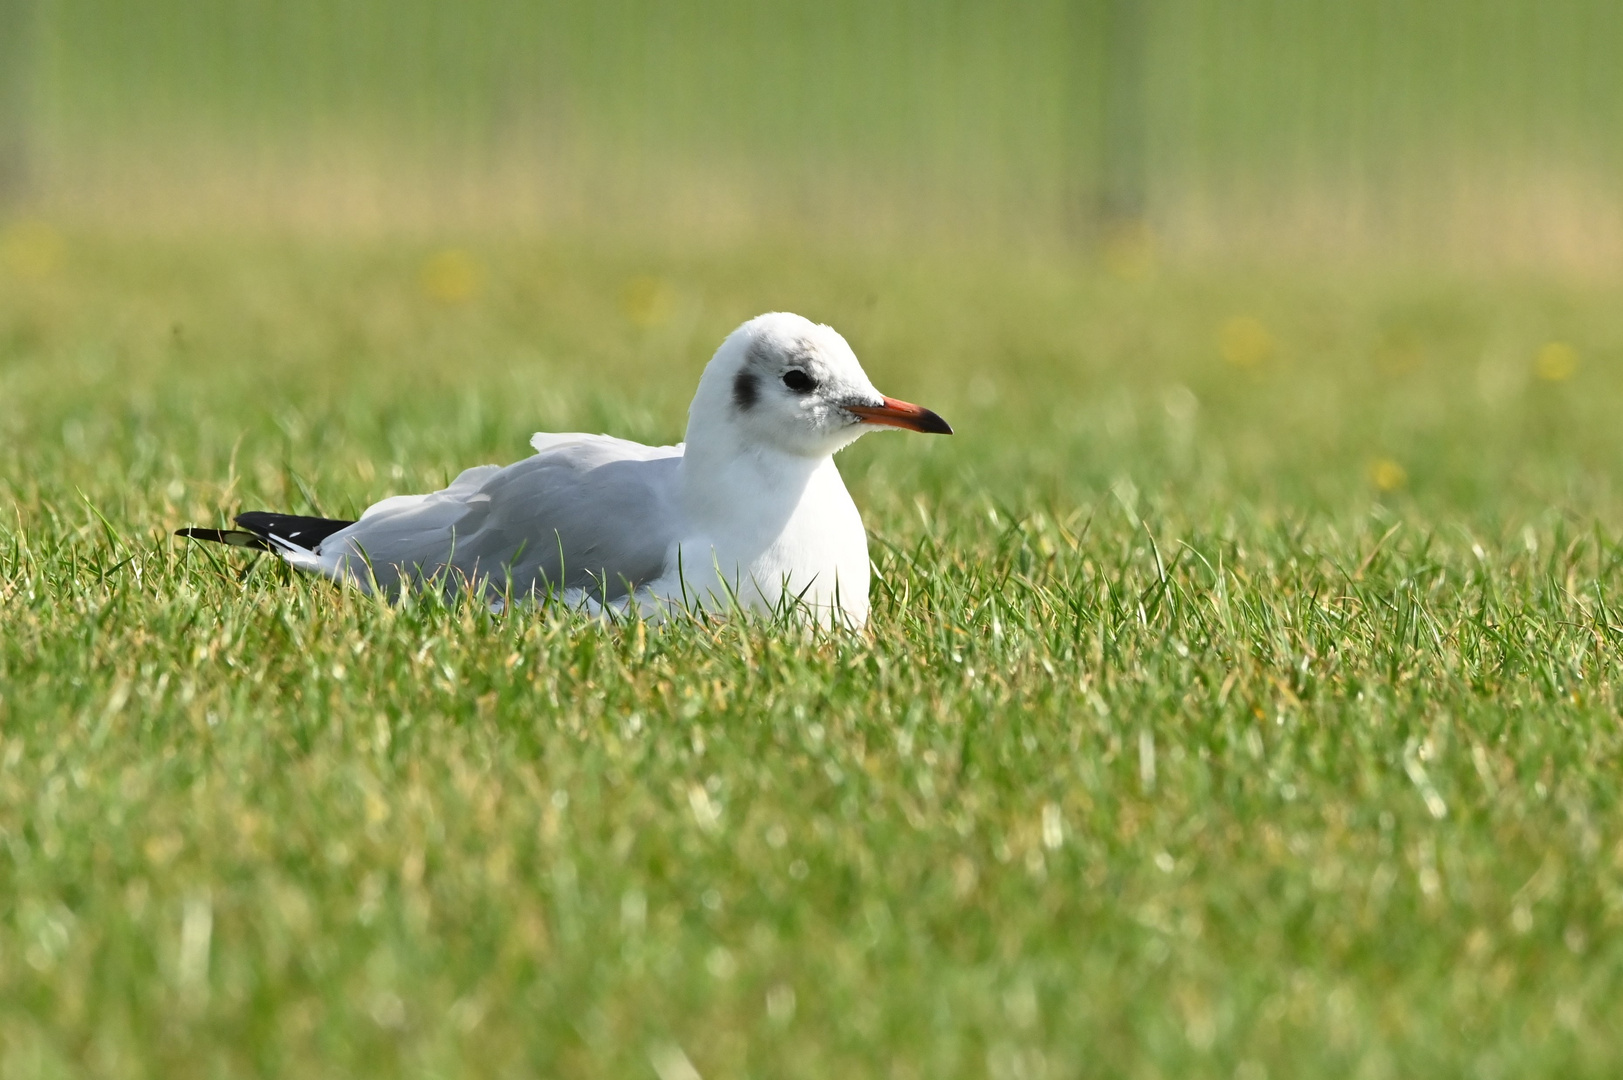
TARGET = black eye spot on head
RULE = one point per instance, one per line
(745, 391)
(799, 381)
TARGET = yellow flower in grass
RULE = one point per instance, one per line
(31, 250)
(1245, 341)
(1387, 474)
(646, 301)
(451, 277)
(1556, 362)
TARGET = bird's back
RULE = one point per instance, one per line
(584, 512)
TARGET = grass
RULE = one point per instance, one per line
(1239, 697)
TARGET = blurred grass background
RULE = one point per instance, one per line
(1459, 130)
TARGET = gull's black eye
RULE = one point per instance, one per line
(799, 381)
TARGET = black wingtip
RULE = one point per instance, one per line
(229, 537)
(305, 532)
(263, 531)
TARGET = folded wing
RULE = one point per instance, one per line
(585, 512)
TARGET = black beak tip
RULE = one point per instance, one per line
(932, 424)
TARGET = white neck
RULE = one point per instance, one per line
(717, 465)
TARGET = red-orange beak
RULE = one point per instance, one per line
(901, 414)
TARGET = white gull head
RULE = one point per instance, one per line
(782, 382)
(767, 515)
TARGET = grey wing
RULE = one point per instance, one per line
(586, 511)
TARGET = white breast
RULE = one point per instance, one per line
(797, 534)
(821, 554)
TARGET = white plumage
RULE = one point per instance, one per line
(749, 510)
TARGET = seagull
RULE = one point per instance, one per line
(749, 512)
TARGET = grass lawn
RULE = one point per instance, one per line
(1239, 700)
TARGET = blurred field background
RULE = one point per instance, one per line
(1453, 130)
(1241, 694)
